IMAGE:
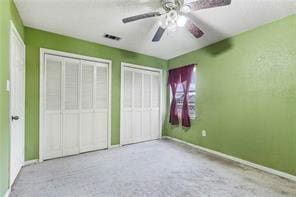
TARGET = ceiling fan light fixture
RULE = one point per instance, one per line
(186, 9)
(172, 27)
(181, 21)
(175, 15)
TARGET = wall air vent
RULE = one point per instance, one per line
(111, 37)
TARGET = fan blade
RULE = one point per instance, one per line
(204, 4)
(141, 16)
(192, 28)
(158, 34)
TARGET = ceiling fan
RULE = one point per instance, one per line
(175, 15)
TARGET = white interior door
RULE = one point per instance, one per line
(17, 103)
(76, 106)
(140, 108)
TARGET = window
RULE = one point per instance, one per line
(191, 99)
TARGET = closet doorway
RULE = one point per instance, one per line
(74, 104)
(141, 103)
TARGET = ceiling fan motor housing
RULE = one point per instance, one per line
(172, 4)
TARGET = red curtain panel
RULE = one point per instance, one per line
(173, 80)
(186, 75)
(181, 75)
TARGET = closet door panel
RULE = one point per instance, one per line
(155, 106)
(71, 85)
(155, 91)
(102, 87)
(53, 135)
(147, 91)
(86, 131)
(147, 106)
(137, 90)
(155, 124)
(146, 133)
(53, 82)
(137, 106)
(127, 89)
(70, 107)
(101, 107)
(52, 143)
(100, 130)
(87, 86)
(127, 105)
(87, 104)
(137, 126)
(70, 133)
(127, 128)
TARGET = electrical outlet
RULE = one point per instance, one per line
(204, 133)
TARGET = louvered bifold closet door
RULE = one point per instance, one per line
(140, 110)
(147, 105)
(87, 106)
(155, 105)
(127, 104)
(137, 106)
(101, 106)
(76, 106)
(70, 106)
(94, 102)
(52, 146)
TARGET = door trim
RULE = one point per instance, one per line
(43, 52)
(14, 31)
(140, 67)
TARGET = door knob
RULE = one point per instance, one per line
(15, 117)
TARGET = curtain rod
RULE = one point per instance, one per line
(195, 64)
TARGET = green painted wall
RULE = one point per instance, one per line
(7, 12)
(36, 39)
(246, 96)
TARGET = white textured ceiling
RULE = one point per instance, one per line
(90, 19)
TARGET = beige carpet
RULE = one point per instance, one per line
(156, 168)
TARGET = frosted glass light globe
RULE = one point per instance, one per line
(181, 21)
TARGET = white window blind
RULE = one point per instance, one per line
(53, 84)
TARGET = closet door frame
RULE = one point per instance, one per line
(144, 68)
(42, 91)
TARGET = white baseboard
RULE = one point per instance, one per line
(30, 162)
(7, 193)
(114, 146)
(248, 163)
